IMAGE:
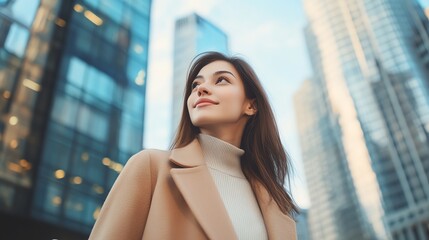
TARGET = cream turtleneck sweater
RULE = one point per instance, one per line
(223, 161)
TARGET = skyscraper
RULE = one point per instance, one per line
(302, 225)
(72, 85)
(193, 35)
(334, 211)
(364, 53)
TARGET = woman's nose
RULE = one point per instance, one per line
(202, 90)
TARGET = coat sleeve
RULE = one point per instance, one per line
(124, 213)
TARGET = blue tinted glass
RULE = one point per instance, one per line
(95, 170)
(90, 206)
(23, 10)
(137, 49)
(133, 70)
(111, 32)
(209, 38)
(82, 40)
(100, 85)
(76, 71)
(79, 165)
(142, 6)
(140, 25)
(56, 153)
(72, 90)
(74, 205)
(93, 123)
(93, 3)
(112, 8)
(130, 136)
(16, 40)
(65, 110)
(134, 103)
(53, 198)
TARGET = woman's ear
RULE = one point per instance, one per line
(251, 108)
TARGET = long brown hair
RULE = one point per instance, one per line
(265, 160)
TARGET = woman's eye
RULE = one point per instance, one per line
(194, 85)
(221, 79)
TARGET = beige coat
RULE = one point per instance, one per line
(171, 195)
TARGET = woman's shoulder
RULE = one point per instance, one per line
(149, 158)
(153, 154)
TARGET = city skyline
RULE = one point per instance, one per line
(357, 117)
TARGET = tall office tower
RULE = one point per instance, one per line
(302, 231)
(72, 97)
(193, 35)
(364, 53)
(334, 212)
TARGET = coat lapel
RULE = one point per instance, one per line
(197, 187)
(279, 225)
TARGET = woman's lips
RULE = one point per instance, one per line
(202, 104)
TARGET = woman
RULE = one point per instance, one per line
(224, 177)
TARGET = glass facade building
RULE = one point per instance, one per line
(334, 212)
(302, 225)
(370, 57)
(72, 101)
(193, 35)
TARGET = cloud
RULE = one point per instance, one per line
(157, 126)
(202, 7)
(270, 36)
(159, 83)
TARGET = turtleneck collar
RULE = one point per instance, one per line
(221, 156)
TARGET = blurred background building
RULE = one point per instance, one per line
(192, 35)
(370, 66)
(302, 231)
(72, 100)
(335, 211)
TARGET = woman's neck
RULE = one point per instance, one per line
(229, 135)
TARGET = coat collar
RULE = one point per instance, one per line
(197, 187)
(279, 225)
(200, 192)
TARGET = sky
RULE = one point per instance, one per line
(268, 34)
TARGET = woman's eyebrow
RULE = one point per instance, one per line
(217, 73)
(223, 71)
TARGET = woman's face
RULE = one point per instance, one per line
(218, 97)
